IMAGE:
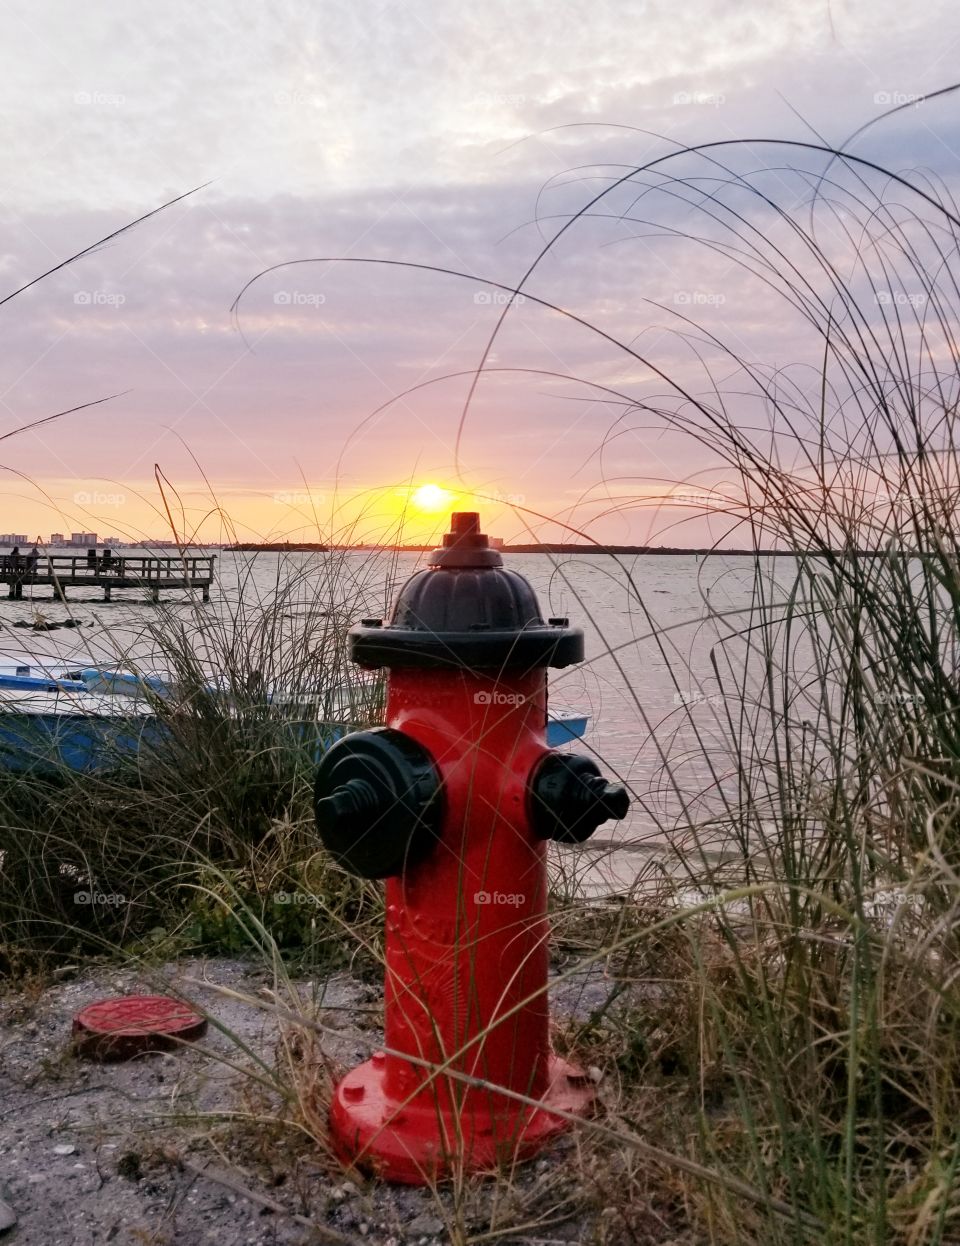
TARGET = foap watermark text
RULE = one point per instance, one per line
(512, 899)
(499, 698)
(110, 899)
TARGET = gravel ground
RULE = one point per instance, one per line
(140, 1152)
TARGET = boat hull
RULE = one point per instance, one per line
(49, 722)
(84, 743)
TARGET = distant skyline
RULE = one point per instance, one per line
(428, 132)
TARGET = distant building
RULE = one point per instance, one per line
(496, 542)
(56, 538)
(12, 538)
(82, 538)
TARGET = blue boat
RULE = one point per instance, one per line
(565, 726)
(95, 719)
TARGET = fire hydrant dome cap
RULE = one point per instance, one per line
(466, 610)
(484, 617)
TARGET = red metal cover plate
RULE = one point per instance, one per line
(129, 1025)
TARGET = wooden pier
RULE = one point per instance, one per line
(138, 571)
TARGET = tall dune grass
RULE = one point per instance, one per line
(815, 1020)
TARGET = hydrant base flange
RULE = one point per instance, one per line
(420, 1142)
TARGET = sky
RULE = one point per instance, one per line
(452, 135)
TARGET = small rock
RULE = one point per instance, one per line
(64, 1148)
(8, 1217)
(426, 1224)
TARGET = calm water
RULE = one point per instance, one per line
(655, 626)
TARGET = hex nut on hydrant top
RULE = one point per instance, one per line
(453, 802)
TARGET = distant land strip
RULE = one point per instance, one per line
(276, 547)
(283, 547)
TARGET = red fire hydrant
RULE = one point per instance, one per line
(453, 802)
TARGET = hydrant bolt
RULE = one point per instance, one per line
(357, 796)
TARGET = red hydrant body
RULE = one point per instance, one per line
(466, 1012)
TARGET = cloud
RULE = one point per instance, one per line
(419, 132)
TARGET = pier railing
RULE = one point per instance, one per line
(151, 571)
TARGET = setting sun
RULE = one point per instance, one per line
(432, 498)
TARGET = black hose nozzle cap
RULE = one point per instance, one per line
(569, 798)
(378, 802)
